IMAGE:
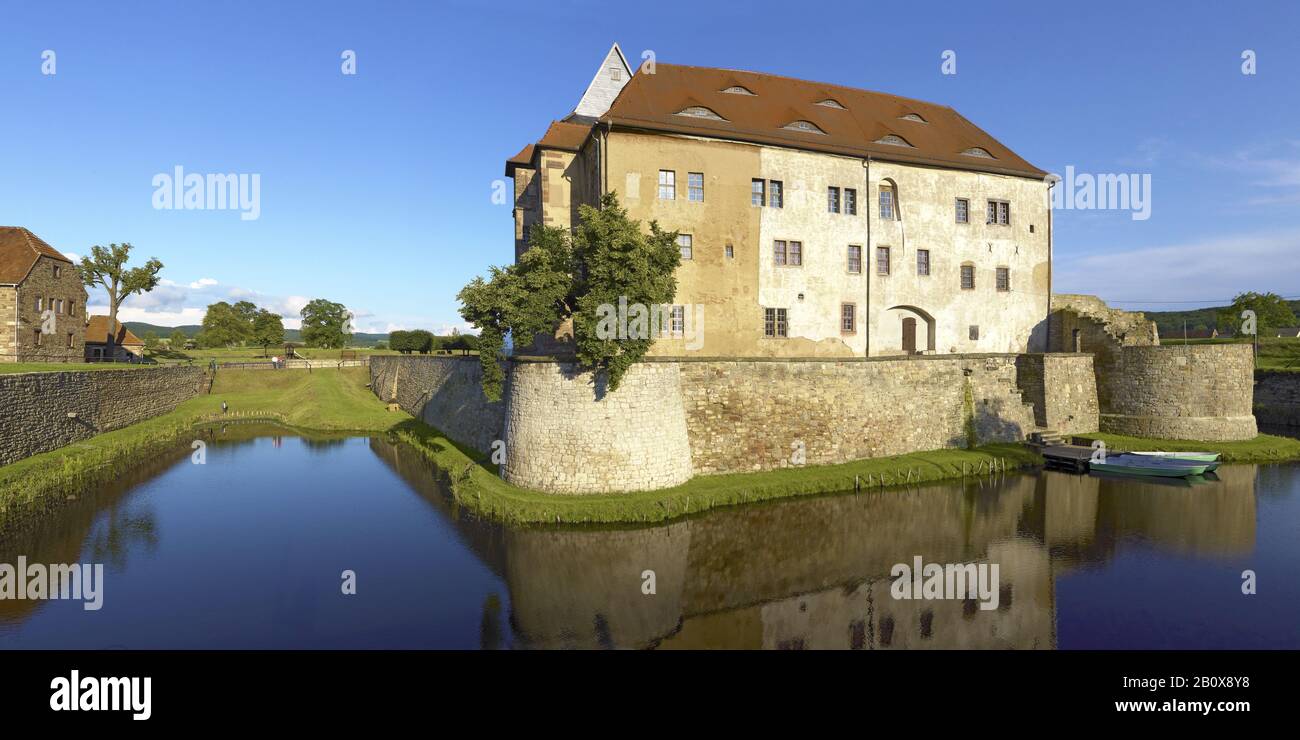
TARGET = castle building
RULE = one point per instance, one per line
(814, 219)
(42, 301)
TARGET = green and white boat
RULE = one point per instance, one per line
(1146, 465)
(1195, 456)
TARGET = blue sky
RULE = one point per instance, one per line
(376, 188)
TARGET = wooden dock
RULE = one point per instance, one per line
(1072, 458)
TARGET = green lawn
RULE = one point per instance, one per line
(1262, 449)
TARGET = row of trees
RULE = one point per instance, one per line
(423, 342)
(324, 324)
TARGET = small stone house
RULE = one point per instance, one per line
(127, 347)
(42, 301)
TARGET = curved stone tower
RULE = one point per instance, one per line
(565, 434)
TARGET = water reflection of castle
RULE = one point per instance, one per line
(815, 573)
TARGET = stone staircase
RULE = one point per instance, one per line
(1046, 438)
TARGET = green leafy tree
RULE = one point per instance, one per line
(223, 326)
(1272, 312)
(151, 343)
(523, 299)
(560, 277)
(268, 329)
(177, 339)
(326, 324)
(106, 267)
(619, 261)
(381, 344)
(421, 341)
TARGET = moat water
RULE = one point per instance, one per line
(249, 549)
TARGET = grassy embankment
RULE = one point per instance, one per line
(337, 400)
(1263, 449)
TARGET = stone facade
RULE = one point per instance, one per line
(674, 418)
(444, 392)
(749, 415)
(1277, 398)
(1197, 392)
(21, 317)
(566, 433)
(45, 411)
(1062, 389)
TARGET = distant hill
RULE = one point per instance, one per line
(1170, 323)
(138, 328)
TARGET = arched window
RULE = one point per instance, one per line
(976, 151)
(830, 103)
(913, 117)
(889, 206)
(738, 90)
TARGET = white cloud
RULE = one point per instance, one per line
(1210, 270)
(202, 283)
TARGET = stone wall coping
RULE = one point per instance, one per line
(136, 369)
(881, 358)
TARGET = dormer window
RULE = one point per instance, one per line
(738, 90)
(830, 103)
(913, 117)
(699, 111)
(976, 151)
(807, 126)
(893, 140)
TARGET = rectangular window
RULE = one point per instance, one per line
(1004, 279)
(833, 200)
(686, 245)
(40, 304)
(796, 254)
(886, 203)
(974, 333)
(757, 192)
(72, 308)
(968, 277)
(922, 262)
(775, 323)
(882, 260)
(730, 252)
(58, 271)
(778, 252)
(848, 318)
(58, 306)
(695, 186)
(963, 211)
(778, 194)
(38, 337)
(999, 213)
(855, 259)
(667, 185)
(70, 340)
(850, 201)
(678, 322)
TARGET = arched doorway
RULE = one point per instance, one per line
(917, 329)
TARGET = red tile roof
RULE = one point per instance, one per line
(19, 251)
(561, 135)
(97, 333)
(847, 120)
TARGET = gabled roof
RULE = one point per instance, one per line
(19, 251)
(97, 333)
(568, 137)
(867, 124)
(601, 90)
